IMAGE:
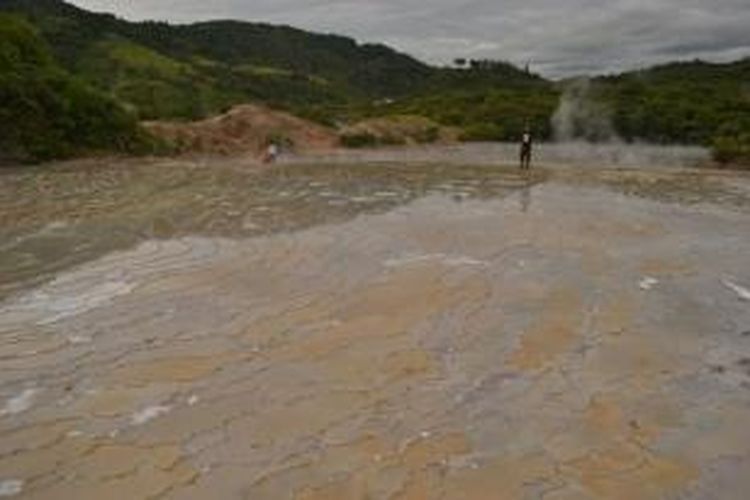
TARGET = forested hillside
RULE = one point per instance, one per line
(46, 112)
(191, 71)
(682, 102)
(694, 103)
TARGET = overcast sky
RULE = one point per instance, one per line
(558, 37)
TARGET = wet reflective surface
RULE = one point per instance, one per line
(51, 219)
(581, 155)
(186, 330)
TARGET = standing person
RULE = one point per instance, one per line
(526, 144)
(272, 152)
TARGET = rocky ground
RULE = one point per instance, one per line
(183, 329)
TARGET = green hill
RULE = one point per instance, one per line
(206, 67)
(680, 103)
(689, 102)
(683, 103)
(48, 113)
(165, 71)
(162, 71)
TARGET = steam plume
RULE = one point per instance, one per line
(580, 116)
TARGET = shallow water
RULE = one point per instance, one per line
(187, 330)
(579, 154)
(56, 218)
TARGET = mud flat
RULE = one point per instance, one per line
(181, 330)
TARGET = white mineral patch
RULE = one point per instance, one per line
(55, 225)
(448, 260)
(149, 413)
(648, 283)
(406, 260)
(463, 261)
(742, 292)
(10, 487)
(19, 403)
(62, 307)
(79, 339)
(64, 299)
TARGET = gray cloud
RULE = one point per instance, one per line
(558, 38)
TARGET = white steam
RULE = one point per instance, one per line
(584, 134)
(581, 117)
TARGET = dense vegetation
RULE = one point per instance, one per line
(682, 102)
(487, 112)
(163, 71)
(190, 71)
(205, 67)
(46, 112)
(689, 103)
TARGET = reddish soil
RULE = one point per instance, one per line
(245, 129)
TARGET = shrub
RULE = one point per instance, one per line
(483, 132)
(359, 140)
(733, 150)
(427, 135)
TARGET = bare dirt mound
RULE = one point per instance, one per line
(397, 130)
(244, 129)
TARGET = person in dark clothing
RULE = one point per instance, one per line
(526, 144)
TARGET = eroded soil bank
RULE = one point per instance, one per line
(183, 330)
